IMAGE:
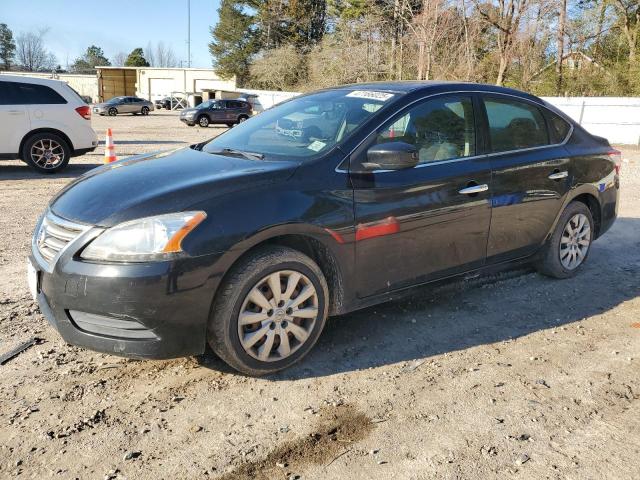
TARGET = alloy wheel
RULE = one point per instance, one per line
(278, 315)
(47, 153)
(575, 241)
(203, 122)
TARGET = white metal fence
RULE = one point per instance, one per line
(615, 118)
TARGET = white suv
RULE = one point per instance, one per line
(43, 122)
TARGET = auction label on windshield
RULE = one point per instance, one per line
(371, 95)
(316, 146)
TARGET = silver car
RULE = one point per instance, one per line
(118, 105)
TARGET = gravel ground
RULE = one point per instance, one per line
(512, 376)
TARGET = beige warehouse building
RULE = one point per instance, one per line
(152, 83)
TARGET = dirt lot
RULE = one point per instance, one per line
(515, 376)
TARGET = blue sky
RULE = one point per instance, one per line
(114, 25)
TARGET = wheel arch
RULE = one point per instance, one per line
(315, 249)
(587, 194)
(46, 130)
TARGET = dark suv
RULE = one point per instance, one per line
(226, 112)
(249, 241)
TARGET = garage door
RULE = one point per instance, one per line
(161, 87)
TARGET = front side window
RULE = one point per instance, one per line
(514, 125)
(441, 128)
(304, 127)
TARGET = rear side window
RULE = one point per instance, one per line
(558, 127)
(515, 125)
(33, 94)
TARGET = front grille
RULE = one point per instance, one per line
(54, 235)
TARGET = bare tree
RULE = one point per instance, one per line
(560, 44)
(629, 11)
(505, 17)
(160, 55)
(31, 52)
(119, 58)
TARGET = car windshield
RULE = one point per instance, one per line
(207, 104)
(304, 127)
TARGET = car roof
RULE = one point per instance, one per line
(425, 86)
(35, 80)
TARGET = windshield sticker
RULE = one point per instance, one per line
(382, 96)
(316, 146)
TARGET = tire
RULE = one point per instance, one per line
(234, 297)
(46, 152)
(112, 112)
(145, 111)
(230, 125)
(242, 118)
(203, 121)
(556, 258)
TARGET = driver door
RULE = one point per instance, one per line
(430, 221)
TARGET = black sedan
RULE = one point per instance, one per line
(327, 203)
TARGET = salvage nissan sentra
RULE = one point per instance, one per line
(249, 241)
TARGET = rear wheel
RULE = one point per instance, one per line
(46, 152)
(570, 244)
(203, 121)
(242, 118)
(269, 312)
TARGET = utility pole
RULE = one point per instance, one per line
(189, 33)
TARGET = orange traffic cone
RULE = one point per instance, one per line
(109, 148)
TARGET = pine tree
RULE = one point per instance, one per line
(136, 59)
(93, 57)
(234, 41)
(7, 46)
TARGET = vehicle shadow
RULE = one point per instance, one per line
(18, 170)
(147, 142)
(465, 314)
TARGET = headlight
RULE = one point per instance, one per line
(145, 239)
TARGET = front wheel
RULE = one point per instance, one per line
(113, 112)
(269, 312)
(203, 121)
(145, 111)
(570, 243)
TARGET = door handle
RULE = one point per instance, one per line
(16, 112)
(556, 175)
(473, 189)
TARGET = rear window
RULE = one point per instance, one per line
(558, 127)
(33, 94)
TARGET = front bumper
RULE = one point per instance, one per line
(188, 121)
(152, 310)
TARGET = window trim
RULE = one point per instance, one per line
(478, 94)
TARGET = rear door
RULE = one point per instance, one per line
(531, 175)
(46, 107)
(430, 221)
(14, 119)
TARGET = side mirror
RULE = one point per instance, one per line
(391, 156)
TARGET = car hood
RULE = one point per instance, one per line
(161, 182)
(104, 105)
(187, 111)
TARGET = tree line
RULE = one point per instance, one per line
(548, 47)
(28, 52)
